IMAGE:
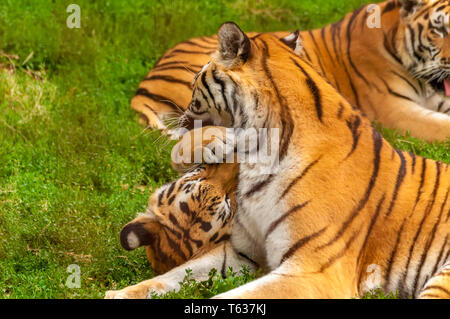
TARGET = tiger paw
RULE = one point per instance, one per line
(207, 145)
(132, 292)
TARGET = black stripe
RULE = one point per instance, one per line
(340, 254)
(157, 98)
(370, 228)
(160, 197)
(171, 188)
(413, 42)
(419, 230)
(352, 85)
(396, 94)
(248, 259)
(175, 63)
(175, 246)
(322, 68)
(434, 287)
(161, 256)
(391, 260)
(300, 243)
(184, 207)
(400, 177)
(181, 68)
(407, 81)
(389, 44)
(377, 145)
(259, 186)
(429, 243)
(428, 296)
(298, 179)
(324, 40)
(224, 264)
(336, 31)
(189, 42)
(390, 6)
(441, 253)
(223, 88)
(314, 90)
(413, 163)
(168, 78)
(307, 56)
(188, 245)
(341, 110)
(175, 223)
(353, 124)
(422, 181)
(223, 238)
(171, 53)
(287, 124)
(349, 41)
(205, 84)
(277, 222)
(210, 40)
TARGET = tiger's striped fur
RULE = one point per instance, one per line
(395, 74)
(343, 201)
(180, 214)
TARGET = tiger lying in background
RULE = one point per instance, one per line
(341, 202)
(398, 74)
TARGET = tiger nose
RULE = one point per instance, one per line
(191, 121)
(187, 122)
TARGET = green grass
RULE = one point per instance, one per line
(74, 164)
(214, 285)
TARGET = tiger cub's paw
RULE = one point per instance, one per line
(207, 145)
(133, 292)
(143, 290)
(126, 294)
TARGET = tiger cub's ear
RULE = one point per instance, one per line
(234, 45)
(142, 231)
(294, 41)
(409, 7)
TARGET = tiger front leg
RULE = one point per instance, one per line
(220, 258)
(421, 122)
(292, 280)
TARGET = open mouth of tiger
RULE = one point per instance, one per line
(442, 86)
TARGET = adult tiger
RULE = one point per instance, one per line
(398, 74)
(342, 200)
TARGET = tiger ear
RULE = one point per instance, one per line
(234, 45)
(294, 41)
(409, 7)
(142, 231)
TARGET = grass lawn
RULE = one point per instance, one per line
(75, 166)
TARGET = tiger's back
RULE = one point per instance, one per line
(370, 66)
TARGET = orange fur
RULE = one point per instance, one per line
(361, 62)
(170, 236)
(346, 202)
